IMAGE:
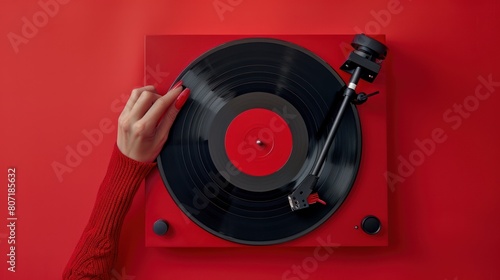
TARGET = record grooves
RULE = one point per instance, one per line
(285, 80)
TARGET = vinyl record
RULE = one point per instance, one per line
(255, 122)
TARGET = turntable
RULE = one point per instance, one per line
(273, 147)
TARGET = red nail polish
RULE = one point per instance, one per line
(178, 84)
(182, 98)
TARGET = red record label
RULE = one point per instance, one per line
(258, 142)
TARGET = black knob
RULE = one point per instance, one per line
(160, 227)
(370, 225)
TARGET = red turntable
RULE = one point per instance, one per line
(272, 147)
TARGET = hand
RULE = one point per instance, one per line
(145, 122)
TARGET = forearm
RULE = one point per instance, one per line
(96, 251)
(143, 128)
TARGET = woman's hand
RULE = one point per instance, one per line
(145, 122)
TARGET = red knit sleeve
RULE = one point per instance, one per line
(96, 251)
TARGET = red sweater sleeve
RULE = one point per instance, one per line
(96, 251)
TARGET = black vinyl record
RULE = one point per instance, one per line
(267, 74)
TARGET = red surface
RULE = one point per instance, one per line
(368, 195)
(258, 142)
(72, 78)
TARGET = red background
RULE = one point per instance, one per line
(72, 73)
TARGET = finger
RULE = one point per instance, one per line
(143, 104)
(169, 118)
(134, 96)
(160, 107)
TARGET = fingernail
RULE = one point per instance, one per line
(178, 84)
(182, 98)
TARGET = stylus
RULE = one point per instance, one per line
(363, 63)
